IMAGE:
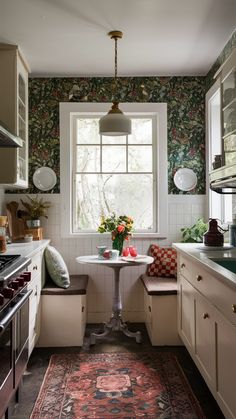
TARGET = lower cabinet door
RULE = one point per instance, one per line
(205, 344)
(226, 366)
(186, 314)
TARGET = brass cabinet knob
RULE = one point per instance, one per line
(199, 278)
(182, 265)
(205, 316)
(234, 308)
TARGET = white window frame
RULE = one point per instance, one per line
(67, 111)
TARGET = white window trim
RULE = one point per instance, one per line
(66, 160)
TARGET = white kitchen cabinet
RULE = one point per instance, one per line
(205, 344)
(226, 366)
(207, 326)
(186, 313)
(36, 268)
(14, 114)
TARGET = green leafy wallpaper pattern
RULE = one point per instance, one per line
(185, 102)
(185, 98)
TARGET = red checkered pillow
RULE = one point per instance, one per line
(165, 262)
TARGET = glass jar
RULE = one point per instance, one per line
(3, 242)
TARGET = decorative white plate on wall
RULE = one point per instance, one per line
(185, 179)
(44, 178)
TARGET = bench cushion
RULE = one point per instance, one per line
(78, 286)
(159, 285)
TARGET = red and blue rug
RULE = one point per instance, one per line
(116, 385)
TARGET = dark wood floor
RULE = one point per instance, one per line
(116, 342)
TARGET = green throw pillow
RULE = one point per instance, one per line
(56, 267)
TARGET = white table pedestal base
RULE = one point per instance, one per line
(116, 323)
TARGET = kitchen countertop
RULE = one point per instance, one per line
(197, 253)
(26, 249)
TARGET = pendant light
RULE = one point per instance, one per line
(115, 123)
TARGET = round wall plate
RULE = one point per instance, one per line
(185, 179)
(44, 178)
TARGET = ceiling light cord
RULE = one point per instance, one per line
(115, 123)
(115, 58)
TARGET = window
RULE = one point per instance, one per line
(220, 206)
(101, 174)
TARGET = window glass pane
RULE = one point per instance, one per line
(114, 159)
(141, 131)
(87, 131)
(88, 158)
(140, 159)
(106, 139)
(119, 193)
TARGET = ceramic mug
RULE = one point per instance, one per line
(101, 250)
(112, 254)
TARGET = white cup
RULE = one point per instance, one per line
(114, 254)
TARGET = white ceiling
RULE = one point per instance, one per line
(161, 37)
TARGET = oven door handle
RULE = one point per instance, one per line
(8, 318)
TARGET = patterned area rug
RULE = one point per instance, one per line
(116, 385)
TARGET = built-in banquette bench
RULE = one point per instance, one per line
(63, 313)
(160, 307)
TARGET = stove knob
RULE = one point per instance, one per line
(1, 300)
(26, 276)
(20, 281)
(8, 292)
(14, 284)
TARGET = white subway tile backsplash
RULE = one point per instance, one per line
(183, 210)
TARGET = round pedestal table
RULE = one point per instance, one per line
(116, 322)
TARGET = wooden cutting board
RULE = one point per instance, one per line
(16, 224)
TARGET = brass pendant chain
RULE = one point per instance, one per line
(115, 79)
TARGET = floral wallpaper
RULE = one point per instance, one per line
(185, 97)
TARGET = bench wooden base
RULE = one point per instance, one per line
(160, 306)
(63, 314)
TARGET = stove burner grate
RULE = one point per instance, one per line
(7, 260)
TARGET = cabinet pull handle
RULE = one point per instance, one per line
(205, 316)
(82, 309)
(234, 308)
(149, 308)
(35, 268)
(199, 278)
(182, 265)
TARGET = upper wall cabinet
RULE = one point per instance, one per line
(228, 85)
(14, 114)
(224, 173)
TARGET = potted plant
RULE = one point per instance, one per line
(34, 210)
(194, 234)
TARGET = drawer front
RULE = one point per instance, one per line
(35, 266)
(222, 296)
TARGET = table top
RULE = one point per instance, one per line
(120, 262)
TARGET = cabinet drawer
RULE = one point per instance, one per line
(35, 266)
(214, 289)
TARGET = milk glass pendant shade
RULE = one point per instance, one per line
(115, 123)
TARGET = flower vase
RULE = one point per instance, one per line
(118, 242)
